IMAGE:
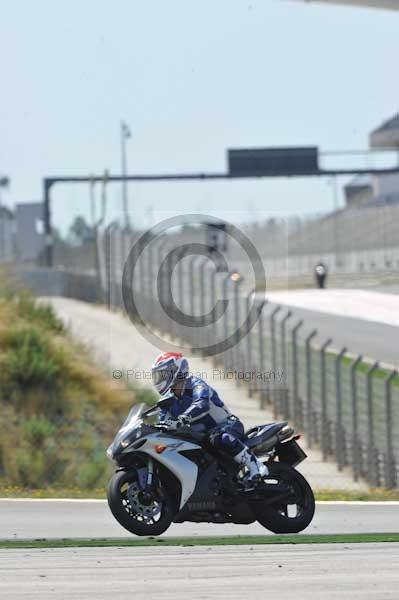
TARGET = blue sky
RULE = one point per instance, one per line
(191, 79)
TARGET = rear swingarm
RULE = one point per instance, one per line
(271, 494)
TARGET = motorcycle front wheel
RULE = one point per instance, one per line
(290, 516)
(133, 510)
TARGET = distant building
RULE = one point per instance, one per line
(30, 239)
(387, 135)
(7, 247)
(386, 187)
(359, 191)
(378, 190)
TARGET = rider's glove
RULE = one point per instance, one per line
(184, 420)
(181, 421)
(171, 424)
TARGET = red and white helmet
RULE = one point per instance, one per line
(168, 367)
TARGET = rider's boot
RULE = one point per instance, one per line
(256, 470)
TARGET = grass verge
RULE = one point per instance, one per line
(251, 540)
(372, 495)
(58, 410)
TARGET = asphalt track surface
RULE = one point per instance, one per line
(23, 519)
(326, 572)
(371, 338)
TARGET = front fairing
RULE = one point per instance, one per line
(137, 436)
(131, 430)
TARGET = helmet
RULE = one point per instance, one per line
(168, 368)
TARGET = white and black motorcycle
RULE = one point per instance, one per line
(166, 477)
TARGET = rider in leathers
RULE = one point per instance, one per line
(197, 404)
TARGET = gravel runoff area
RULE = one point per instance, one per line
(116, 342)
(344, 571)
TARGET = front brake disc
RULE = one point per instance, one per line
(150, 510)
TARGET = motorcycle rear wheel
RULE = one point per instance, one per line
(125, 509)
(276, 517)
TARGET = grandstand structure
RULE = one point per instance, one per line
(361, 237)
(377, 190)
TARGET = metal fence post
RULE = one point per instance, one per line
(309, 403)
(212, 336)
(217, 332)
(274, 352)
(117, 262)
(261, 348)
(390, 467)
(167, 291)
(248, 360)
(114, 262)
(192, 294)
(191, 284)
(161, 286)
(285, 402)
(150, 269)
(107, 248)
(295, 395)
(199, 293)
(180, 281)
(324, 424)
(225, 358)
(141, 267)
(235, 353)
(339, 438)
(273, 337)
(109, 270)
(355, 445)
(125, 243)
(371, 457)
(201, 330)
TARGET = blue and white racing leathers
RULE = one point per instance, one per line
(207, 412)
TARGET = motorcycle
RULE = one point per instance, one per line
(166, 477)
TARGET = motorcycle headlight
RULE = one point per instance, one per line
(125, 443)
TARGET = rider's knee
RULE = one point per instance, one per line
(226, 441)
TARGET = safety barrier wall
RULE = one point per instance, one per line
(358, 241)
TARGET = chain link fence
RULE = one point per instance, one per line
(346, 406)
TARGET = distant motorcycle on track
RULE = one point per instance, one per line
(166, 477)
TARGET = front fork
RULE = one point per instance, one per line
(145, 475)
(150, 473)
